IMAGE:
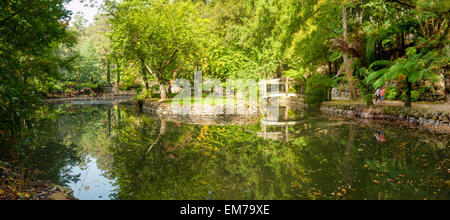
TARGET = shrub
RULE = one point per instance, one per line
(414, 96)
(317, 88)
(392, 93)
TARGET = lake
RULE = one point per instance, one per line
(108, 152)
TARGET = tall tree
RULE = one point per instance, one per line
(160, 36)
(30, 33)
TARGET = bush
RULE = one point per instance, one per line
(53, 86)
(414, 96)
(317, 88)
(392, 93)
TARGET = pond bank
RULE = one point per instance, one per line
(15, 187)
(431, 120)
(117, 97)
(95, 95)
(90, 145)
(202, 114)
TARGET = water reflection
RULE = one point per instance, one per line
(282, 118)
(380, 136)
(92, 185)
(122, 154)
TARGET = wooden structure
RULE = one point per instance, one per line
(281, 85)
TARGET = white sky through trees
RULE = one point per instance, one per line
(88, 12)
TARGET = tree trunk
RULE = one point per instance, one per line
(109, 120)
(118, 81)
(346, 163)
(347, 60)
(147, 87)
(25, 78)
(144, 75)
(330, 72)
(281, 69)
(79, 79)
(119, 116)
(108, 73)
(162, 132)
(163, 91)
(163, 128)
(344, 22)
(408, 94)
(369, 101)
(447, 84)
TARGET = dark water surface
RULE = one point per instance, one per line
(106, 151)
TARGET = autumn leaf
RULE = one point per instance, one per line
(25, 195)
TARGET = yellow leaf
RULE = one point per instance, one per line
(26, 195)
(23, 195)
(3, 168)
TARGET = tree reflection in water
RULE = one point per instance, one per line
(146, 158)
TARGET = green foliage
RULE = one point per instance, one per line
(143, 95)
(188, 161)
(414, 96)
(392, 93)
(317, 89)
(295, 74)
(160, 38)
(30, 34)
(88, 72)
(407, 71)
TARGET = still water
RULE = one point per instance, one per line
(106, 151)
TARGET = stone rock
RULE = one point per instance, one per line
(61, 196)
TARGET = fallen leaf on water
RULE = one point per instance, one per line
(86, 188)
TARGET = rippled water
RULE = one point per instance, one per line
(106, 151)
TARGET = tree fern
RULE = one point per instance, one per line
(410, 69)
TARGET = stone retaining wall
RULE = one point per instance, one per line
(204, 114)
(432, 120)
(297, 102)
(114, 99)
(208, 112)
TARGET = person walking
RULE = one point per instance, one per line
(377, 95)
(382, 94)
